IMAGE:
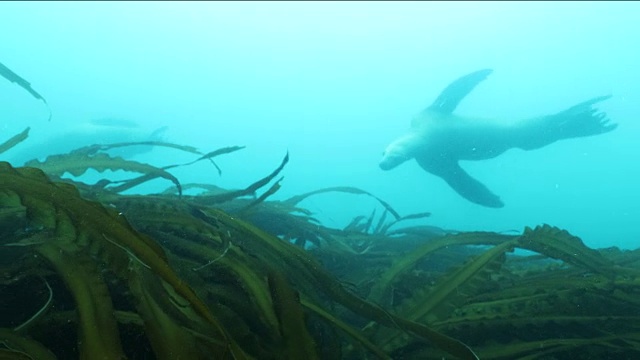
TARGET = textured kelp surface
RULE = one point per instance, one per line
(200, 272)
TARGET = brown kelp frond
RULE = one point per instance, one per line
(352, 332)
(250, 190)
(82, 225)
(306, 272)
(440, 300)
(275, 187)
(345, 189)
(559, 244)
(91, 149)
(297, 342)
(77, 163)
(14, 140)
(6, 73)
(359, 225)
(453, 284)
(210, 155)
(381, 290)
(42, 310)
(99, 335)
(17, 347)
(423, 231)
(282, 221)
(355, 225)
(384, 229)
(165, 276)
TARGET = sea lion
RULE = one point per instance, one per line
(438, 139)
(95, 131)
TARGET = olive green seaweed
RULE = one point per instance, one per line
(15, 140)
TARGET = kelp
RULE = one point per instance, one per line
(15, 140)
(381, 291)
(92, 149)
(344, 189)
(297, 341)
(250, 190)
(16, 347)
(8, 74)
(78, 162)
(230, 274)
(98, 334)
(305, 271)
(210, 155)
(80, 224)
(559, 244)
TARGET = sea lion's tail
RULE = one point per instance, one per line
(577, 121)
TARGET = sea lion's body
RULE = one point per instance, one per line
(97, 131)
(438, 139)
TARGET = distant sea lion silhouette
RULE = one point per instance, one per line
(438, 139)
(96, 131)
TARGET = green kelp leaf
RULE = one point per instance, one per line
(15, 140)
(345, 189)
(77, 163)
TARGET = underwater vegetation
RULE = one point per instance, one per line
(8, 74)
(201, 272)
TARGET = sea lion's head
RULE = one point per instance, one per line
(397, 152)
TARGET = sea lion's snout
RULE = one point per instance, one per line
(391, 159)
(384, 165)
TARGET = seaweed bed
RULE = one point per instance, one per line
(91, 273)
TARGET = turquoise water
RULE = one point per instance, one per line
(333, 83)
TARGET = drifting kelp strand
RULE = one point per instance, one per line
(15, 140)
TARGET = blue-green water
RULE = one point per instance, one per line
(333, 83)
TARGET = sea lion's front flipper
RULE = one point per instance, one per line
(451, 96)
(460, 181)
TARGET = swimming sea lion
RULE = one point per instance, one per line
(96, 131)
(438, 139)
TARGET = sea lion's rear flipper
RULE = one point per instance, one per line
(583, 120)
(451, 96)
(460, 181)
(579, 120)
